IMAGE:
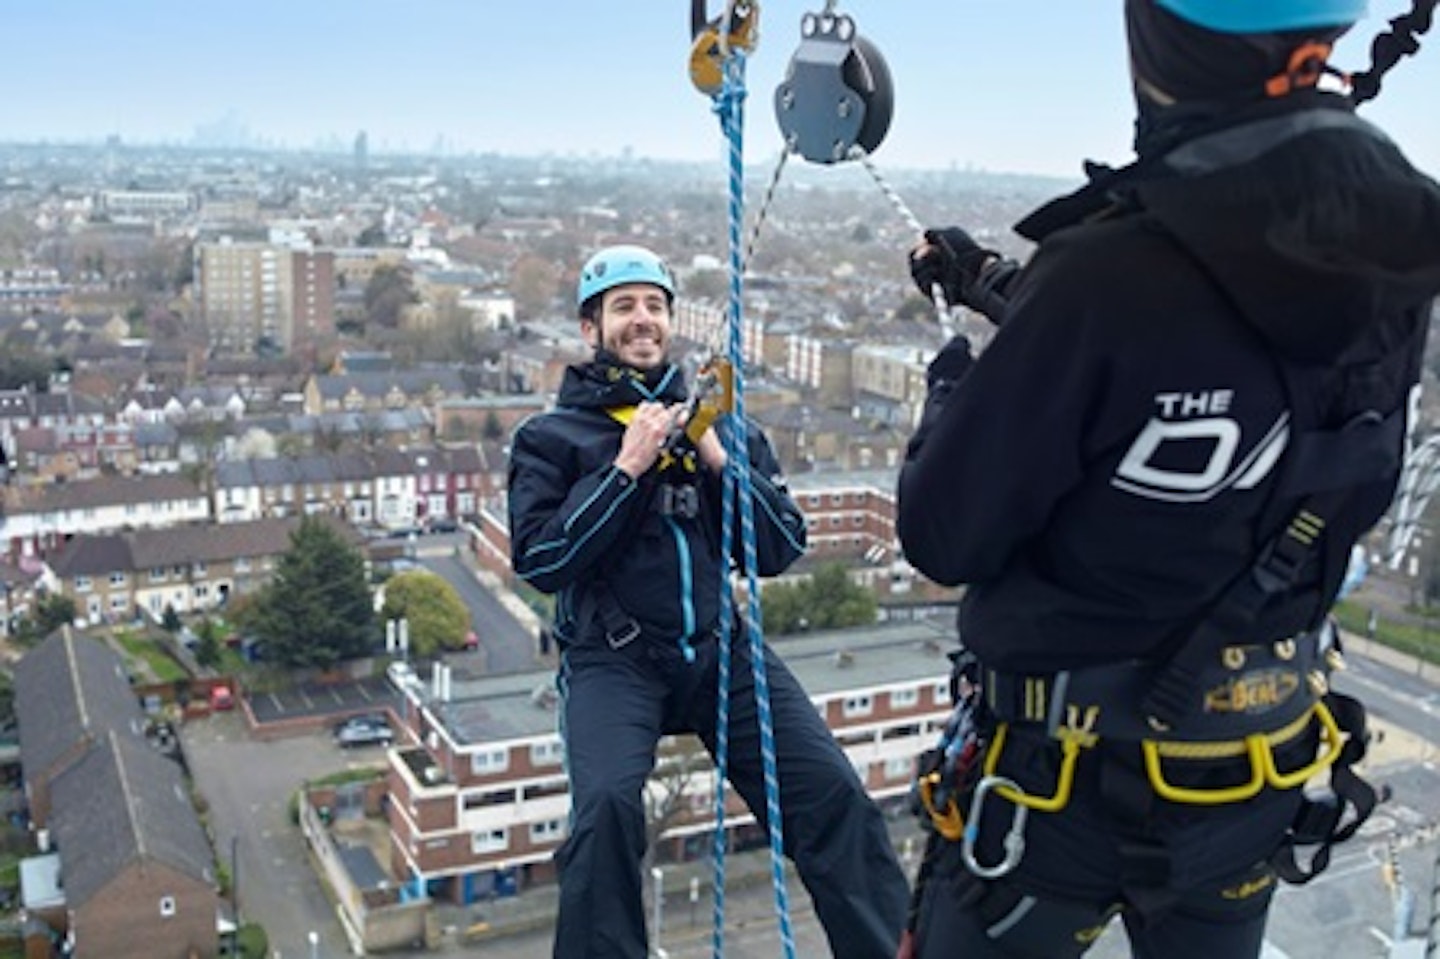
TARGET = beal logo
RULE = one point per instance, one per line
(1190, 419)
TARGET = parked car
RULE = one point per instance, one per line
(443, 524)
(402, 675)
(364, 731)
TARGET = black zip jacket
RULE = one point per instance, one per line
(1110, 462)
(576, 521)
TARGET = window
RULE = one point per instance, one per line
(904, 698)
(167, 906)
(547, 754)
(82, 584)
(157, 575)
(858, 706)
(553, 787)
(489, 840)
(942, 691)
(551, 830)
(899, 767)
(117, 578)
(242, 564)
(502, 797)
(489, 761)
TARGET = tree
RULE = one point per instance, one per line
(827, 600)
(834, 602)
(52, 611)
(317, 610)
(437, 616)
(207, 650)
(390, 290)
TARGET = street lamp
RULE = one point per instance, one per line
(314, 944)
(657, 876)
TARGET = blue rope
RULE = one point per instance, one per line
(730, 104)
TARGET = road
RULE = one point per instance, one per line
(508, 646)
(247, 785)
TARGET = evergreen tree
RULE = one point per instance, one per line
(317, 610)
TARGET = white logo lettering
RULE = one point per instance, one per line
(1227, 465)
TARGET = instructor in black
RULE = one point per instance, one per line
(1150, 483)
(617, 512)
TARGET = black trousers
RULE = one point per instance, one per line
(616, 704)
(1188, 882)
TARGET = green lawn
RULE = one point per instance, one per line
(1421, 638)
(145, 650)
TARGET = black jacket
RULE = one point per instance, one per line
(1112, 460)
(577, 522)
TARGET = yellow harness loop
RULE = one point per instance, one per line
(1074, 736)
(1260, 747)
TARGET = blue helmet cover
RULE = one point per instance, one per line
(1265, 16)
(617, 265)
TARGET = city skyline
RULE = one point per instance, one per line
(1012, 86)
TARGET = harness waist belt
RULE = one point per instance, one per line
(1249, 689)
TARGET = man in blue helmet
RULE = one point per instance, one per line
(1150, 483)
(615, 509)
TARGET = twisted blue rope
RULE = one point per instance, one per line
(730, 104)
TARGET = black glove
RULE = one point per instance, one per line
(951, 362)
(954, 260)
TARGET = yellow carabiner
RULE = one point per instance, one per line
(948, 822)
(709, 48)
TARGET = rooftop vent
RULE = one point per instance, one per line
(844, 659)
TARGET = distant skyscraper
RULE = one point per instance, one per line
(362, 150)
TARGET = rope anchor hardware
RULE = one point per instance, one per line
(837, 92)
(737, 28)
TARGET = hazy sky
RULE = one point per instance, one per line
(1004, 85)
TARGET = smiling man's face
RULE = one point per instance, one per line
(633, 325)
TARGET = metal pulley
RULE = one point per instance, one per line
(836, 94)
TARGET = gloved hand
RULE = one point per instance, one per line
(951, 258)
(951, 362)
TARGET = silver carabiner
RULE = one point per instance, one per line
(1014, 839)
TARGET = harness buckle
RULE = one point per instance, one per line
(624, 636)
(678, 500)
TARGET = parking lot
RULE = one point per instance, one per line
(374, 694)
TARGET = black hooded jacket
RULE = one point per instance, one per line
(582, 528)
(1117, 454)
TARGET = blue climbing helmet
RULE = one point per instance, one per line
(617, 265)
(1265, 16)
